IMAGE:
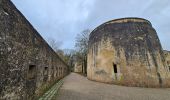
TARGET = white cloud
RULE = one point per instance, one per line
(63, 19)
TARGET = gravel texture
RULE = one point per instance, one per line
(77, 87)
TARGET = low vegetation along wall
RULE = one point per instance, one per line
(27, 63)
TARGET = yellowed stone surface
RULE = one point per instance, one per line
(133, 46)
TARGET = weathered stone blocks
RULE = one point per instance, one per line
(127, 51)
(167, 57)
(27, 62)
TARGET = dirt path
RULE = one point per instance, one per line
(77, 87)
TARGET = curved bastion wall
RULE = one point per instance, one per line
(127, 51)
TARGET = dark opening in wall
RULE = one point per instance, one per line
(45, 74)
(46, 71)
(169, 68)
(59, 71)
(115, 68)
(31, 72)
(168, 62)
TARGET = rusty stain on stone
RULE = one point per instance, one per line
(132, 48)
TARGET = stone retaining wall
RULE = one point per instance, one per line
(27, 62)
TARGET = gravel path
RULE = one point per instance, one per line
(77, 87)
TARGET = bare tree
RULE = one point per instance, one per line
(54, 44)
(69, 57)
(82, 48)
(82, 41)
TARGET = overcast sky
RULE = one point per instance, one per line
(63, 19)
